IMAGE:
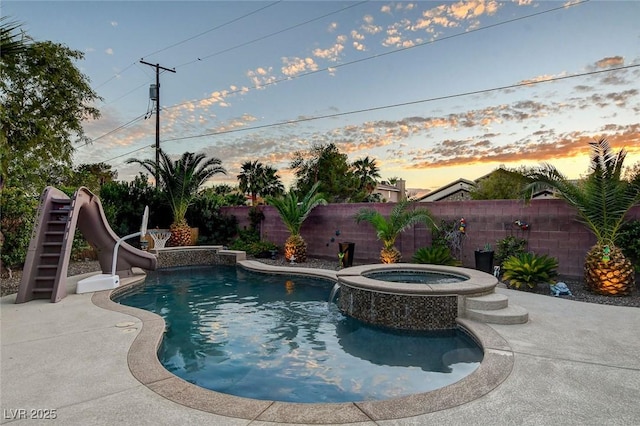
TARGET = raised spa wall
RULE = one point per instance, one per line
(197, 256)
(409, 306)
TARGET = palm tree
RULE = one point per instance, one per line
(179, 181)
(293, 212)
(257, 179)
(602, 200)
(273, 186)
(388, 229)
(13, 41)
(367, 173)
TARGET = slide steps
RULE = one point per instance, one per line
(45, 269)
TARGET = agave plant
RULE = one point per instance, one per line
(293, 212)
(602, 200)
(388, 229)
(529, 269)
(435, 255)
(179, 181)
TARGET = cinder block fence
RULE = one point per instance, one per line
(553, 229)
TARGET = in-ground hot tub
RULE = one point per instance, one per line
(405, 296)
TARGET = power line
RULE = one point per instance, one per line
(181, 42)
(272, 34)
(379, 55)
(112, 131)
(216, 53)
(361, 59)
(439, 98)
(284, 123)
(214, 28)
(113, 76)
(129, 153)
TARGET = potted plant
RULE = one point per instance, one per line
(345, 255)
(484, 259)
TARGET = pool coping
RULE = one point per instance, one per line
(145, 366)
(476, 282)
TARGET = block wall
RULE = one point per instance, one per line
(554, 229)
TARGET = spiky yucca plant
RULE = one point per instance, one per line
(529, 269)
(179, 181)
(435, 255)
(388, 229)
(293, 212)
(602, 200)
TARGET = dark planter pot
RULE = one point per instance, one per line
(265, 254)
(347, 249)
(484, 261)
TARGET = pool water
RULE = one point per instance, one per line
(415, 277)
(274, 337)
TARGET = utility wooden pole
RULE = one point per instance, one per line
(158, 68)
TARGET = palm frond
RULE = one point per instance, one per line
(602, 199)
(293, 211)
(400, 219)
(181, 179)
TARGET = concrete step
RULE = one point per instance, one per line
(489, 302)
(512, 314)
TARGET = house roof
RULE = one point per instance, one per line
(449, 189)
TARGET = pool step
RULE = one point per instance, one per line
(494, 309)
(489, 302)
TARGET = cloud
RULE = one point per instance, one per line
(609, 62)
(295, 66)
(544, 146)
(332, 27)
(109, 51)
(113, 23)
(332, 53)
(260, 77)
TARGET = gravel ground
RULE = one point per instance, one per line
(10, 285)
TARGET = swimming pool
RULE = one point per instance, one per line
(273, 337)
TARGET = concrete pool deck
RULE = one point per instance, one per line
(575, 363)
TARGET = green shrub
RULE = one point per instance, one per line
(448, 235)
(124, 203)
(16, 222)
(629, 242)
(509, 246)
(214, 227)
(435, 255)
(249, 240)
(529, 269)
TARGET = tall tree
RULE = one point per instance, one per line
(93, 176)
(179, 182)
(367, 172)
(327, 166)
(500, 184)
(258, 179)
(44, 99)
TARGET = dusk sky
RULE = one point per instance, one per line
(431, 90)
